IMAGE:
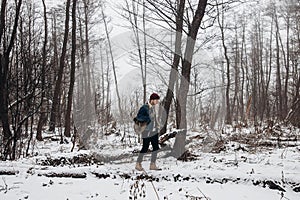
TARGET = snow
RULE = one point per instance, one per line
(230, 174)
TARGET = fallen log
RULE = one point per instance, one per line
(187, 156)
(8, 172)
(64, 175)
(167, 137)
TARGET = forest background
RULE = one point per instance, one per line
(214, 63)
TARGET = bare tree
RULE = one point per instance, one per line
(4, 67)
(176, 60)
(113, 66)
(278, 66)
(57, 89)
(220, 17)
(72, 78)
(88, 12)
(43, 114)
(133, 10)
(179, 145)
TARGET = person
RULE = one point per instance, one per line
(150, 134)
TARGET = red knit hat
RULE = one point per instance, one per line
(154, 96)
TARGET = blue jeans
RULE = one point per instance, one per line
(146, 142)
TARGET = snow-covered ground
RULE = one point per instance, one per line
(107, 172)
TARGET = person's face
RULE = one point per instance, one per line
(154, 101)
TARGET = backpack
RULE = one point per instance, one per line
(138, 126)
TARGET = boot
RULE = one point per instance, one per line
(139, 167)
(154, 167)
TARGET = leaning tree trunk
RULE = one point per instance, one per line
(179, 145)
(174, 71)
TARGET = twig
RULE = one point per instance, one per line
(282, 196)
(5, 188)
(152, 186)
(203, 194)
(74, 138)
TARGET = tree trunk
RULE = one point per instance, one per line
(278, 73)
(228, 119)
(43, 114)
(4, 70)
(67, 132)
(108, 91)
(243, 75)
(287, 68)
(145, 53)
(114, 68)
(57, 90)
(133, 13)
(88, 89)
(176, 59)
(269, 71)
(4, 97)
(179, 145)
